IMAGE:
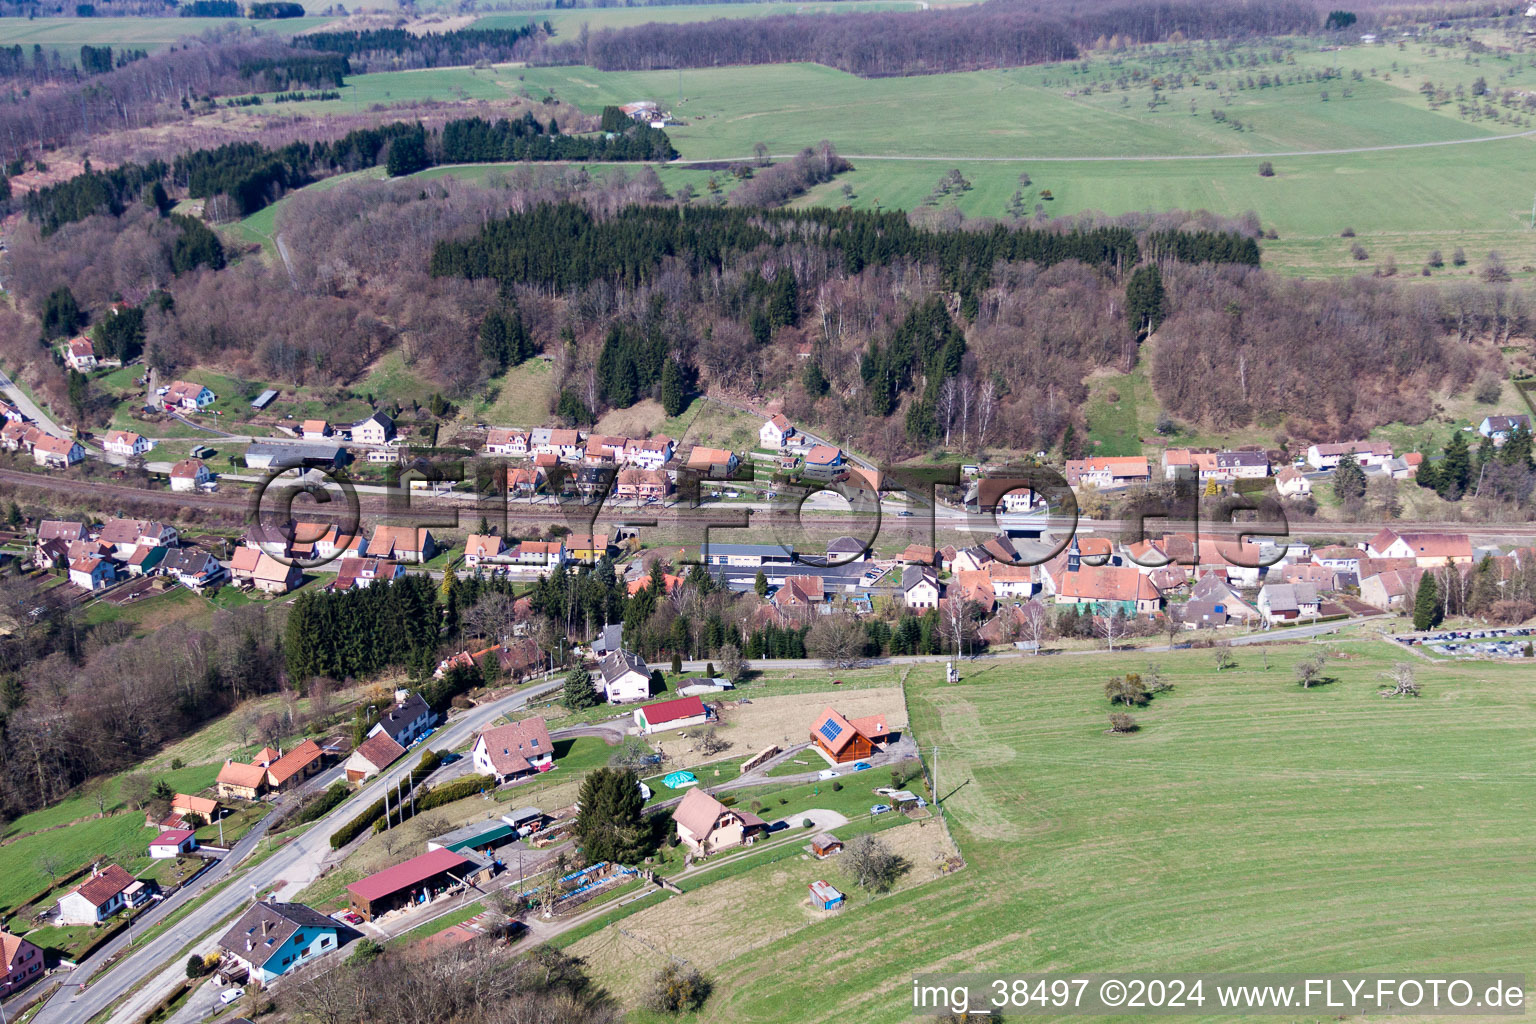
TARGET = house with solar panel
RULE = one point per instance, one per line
(841, 740)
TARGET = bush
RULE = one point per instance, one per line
(1347, 233)
(837, 787)
(195, 967)
(1357, 251)
(1488, 388)
(1120, 722)
(354, 828)
(323, 804)
(808, 823)
(677, 988)
(1266, 169)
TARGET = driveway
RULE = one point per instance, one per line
(30, 409)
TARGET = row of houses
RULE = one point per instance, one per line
(120, 548)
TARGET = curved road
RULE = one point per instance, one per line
(292, 867)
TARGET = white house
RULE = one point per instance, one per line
(1291, 482)
(315, 430)
(1287, 602)
(190, 475)
(624, 676)
(1501, 427)
(81, 355)
(407, 720)
(774, 432)
(505, 441)
(919, 587)
(649, 453)
(91, 573)
(188, 396)
(1366, 453)
(173, 842)
(517, 751)
(376, 429)
(482, 547)
(126, 443)
(97, 898)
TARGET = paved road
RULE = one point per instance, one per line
(287, 871)
(30, 409)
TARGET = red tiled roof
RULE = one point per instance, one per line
(673, 710)
(411, 872)
(246, 776)
(291, 763)
(110, 881)
(380, 750)
(172, 837)
(512, 748)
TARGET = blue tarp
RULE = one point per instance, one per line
(679, 780)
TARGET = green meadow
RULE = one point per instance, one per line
(69, 34)
(1249, 825)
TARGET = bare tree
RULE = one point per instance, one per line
(1035, 623)
(732, 665)
(837, 639)
(873, 864)
(710, 742)
(949, 397)
(1110, 628)
(135, 789)
(1225, 659)
(967, 398)
(1173, 622)
(986, 411)
(491, 617)
(102, 797)
(1403, 683)
(1310, 671)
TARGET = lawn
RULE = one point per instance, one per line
(68, 34)
(1249, 825)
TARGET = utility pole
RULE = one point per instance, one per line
(938, 801)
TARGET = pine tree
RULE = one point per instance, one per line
(677, 661)
(814, 381)
(611, 824)
(1455, 470)
(1426, 603)
(1348, 481)
(1145, 300)
(674, 388)
(760, 585)
(578, 693)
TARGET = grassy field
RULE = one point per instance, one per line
(1249, 825)
(69, 34)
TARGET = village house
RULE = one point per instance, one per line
(187, 396)
(60, 529)
(372, 756)
(22, 960)
(92, 573)
(10, 413)
(1012, 581)
(1291, 482)
(1405, 466)
(80, 355)
(716, 463)
(123, 535)
(243, 561)
(1428, 550)
(402, 543)
(1108, 471)
(603, 449)
(292, 768)
(1107, 589)
(481, 547)
(566, 445)
(539, 552)
(408, 720)
(775, 432)
(272, 939)
(517, 751)
(364, 572)
(97, 898)
(801, 594)
(623, 676)
(190, 475)
(240, 781)
(172, 843)
(1391, 590)
(1501, 428)
(841, 740)
(207, 809)
(55, 452)
(506, 441)
(376, 430)
(649, 453)
(586, 547)
(1287, 602)
(919, 587)
(641, 485)
(671, 714)
(1366, 453)
(707, 826)
(193, 568)
(271, 576)
(125, 443)
(822, 462)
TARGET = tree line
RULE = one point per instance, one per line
(395, 48)
(363, 631)
(999, 33)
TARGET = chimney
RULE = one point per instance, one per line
(248, 944)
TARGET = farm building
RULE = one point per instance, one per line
(825, 844)
(372, 756)
(671, 714)
(841, 740)
(418, 880)
(824, 897)
(483, 836)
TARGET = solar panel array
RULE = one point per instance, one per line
(831, 730)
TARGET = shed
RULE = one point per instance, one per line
(824, 897)
(264, 399)
(173, 842)
(824, 844)
(479, 836)
(671, 714)
(417, 880)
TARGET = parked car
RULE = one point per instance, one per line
(861, 766)
(232, 995)
(879, 809)
(827, 773)
(352, 918)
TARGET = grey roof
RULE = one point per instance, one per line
(264, 399)
(188, 560)
(847, 546)
(913, 575)
(398, 718)
(381, 418)
(266, 926)
(610, 639)
(762, 550)
(293, 452)
(1501, 423)
(523, 814)
(1234, 459)
(1289, 597)
(616, 663)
